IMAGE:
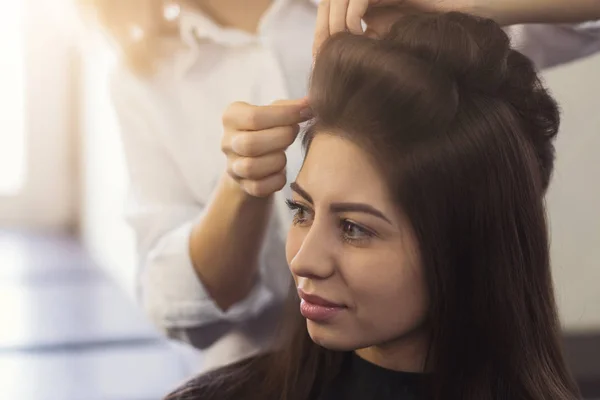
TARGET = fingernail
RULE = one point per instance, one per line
(306, 113)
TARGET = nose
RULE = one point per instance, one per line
(314, 258)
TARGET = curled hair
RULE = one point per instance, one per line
(433, 70)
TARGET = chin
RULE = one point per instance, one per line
(330, 338)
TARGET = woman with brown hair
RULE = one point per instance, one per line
(419, 246)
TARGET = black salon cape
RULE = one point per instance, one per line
(361, 380)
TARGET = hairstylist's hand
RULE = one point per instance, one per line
(255, 141)
(379, 15)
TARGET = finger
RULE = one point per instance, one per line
(379, 20)
(356, 11)
(322, 26)
(337, 16)
(256, 168)
(256, 144)
(264, 187)
(286, 102)
(247, 117)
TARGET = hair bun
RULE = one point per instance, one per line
(476, 53)
(473, 50)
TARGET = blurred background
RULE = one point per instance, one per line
(69, 325)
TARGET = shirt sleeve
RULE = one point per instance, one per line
(162, 210)
(552, 45)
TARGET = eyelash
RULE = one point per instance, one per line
(298, 208)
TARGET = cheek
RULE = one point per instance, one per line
(389, 292)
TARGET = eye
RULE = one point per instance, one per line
(353, 233)
(301, 212)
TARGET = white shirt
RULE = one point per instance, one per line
(552, 45)
(171, 128)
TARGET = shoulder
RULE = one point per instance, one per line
(226, 383)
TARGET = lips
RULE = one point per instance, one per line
(316, 300)
(317, 309)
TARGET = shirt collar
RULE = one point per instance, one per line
(195, 26)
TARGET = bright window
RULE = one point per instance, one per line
(12, 98)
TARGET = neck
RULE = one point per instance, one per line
(243, 15)
(407, 354)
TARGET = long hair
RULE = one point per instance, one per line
(461, 127)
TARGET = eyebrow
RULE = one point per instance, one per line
(298, 189)
(342, 207)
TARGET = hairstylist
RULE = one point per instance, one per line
(209, 231)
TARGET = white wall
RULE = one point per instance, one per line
(574, 197)
(573, 200)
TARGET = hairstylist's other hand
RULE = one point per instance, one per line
(255, 141)
(379, 15)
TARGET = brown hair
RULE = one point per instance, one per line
(462, 128)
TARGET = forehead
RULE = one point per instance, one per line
(336, 169)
